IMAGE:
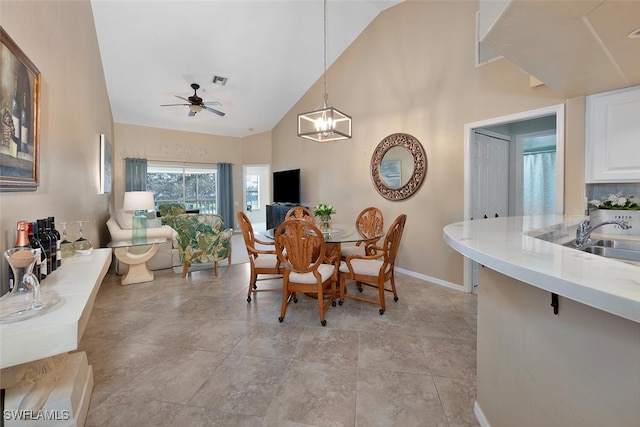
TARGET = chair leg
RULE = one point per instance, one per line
(381, 295)
(393, 287)
(342, 290)
(215, 267)
(252, 282)
(285, 303)
(185, 269)
(321, 305)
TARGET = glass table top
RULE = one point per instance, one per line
(129, 243)
(339, 233)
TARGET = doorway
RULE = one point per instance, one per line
(257, 193)
(497, 181)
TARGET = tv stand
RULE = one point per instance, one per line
(276, 213)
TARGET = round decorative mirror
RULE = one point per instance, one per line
(398, 166)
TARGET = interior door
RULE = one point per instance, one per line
(489, 180)
(490, 176)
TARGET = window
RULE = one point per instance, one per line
(195, 186)
(252, 192)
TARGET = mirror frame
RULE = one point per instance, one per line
(419, 166)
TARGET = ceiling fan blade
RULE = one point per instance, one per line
(216, 103)
(173, 105)
(182, 97)
(220, 113)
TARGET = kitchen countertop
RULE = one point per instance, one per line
(530, 249)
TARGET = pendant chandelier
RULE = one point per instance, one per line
(326, 123)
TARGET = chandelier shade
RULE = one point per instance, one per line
(326, 123)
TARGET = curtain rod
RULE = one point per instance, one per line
(174, 162)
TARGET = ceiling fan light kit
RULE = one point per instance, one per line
(327, 123)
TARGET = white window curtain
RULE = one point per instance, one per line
(539, 193)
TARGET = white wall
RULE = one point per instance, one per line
(59, 38)
(411, 71)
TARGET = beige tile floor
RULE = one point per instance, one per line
(193, 352)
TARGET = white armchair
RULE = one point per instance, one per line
(119, 226)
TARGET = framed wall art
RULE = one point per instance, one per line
(19, 117)
(106, 173)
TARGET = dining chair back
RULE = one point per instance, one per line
(263, 260)
(375, 269)
(369, 223)
(301, 249)
(299, 212)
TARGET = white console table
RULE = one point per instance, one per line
(44, 341)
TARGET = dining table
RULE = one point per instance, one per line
(338, 235)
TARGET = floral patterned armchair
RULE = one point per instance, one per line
(169, 212)
(202, 239)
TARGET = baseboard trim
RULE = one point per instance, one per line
(430, 279)
(480, 415)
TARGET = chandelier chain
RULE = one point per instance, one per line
(324, 95)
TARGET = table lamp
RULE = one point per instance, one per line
(139, 202)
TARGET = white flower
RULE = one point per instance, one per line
(616, 201)
(613, 198)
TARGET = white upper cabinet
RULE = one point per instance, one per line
(613, 136)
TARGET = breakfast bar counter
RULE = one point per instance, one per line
(529, 249)
(575, 364)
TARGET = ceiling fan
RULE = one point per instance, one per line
(196, 104)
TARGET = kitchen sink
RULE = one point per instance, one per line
(614, 252)
(618, 244)
(627, 250)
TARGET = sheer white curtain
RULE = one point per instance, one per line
(539, 193)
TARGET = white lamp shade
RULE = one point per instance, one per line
(138, 201)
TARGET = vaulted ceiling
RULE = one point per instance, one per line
(270, 51)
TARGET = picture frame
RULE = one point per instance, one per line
(19, 118)
(106, 165)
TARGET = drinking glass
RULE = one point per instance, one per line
(82, 246)
(66, 246)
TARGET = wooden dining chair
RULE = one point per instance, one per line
(376, 269)
(299, 212)
(262, 259)
(301, 249)
(369, 222)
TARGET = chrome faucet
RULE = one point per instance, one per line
(585, 229)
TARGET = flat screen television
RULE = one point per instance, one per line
(286, 186)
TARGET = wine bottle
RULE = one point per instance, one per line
(15, 115)
(22, 241)
(54, 244)
(22, 234)
(45, 240)
(24, 127)
(36, 242)
(40, 273)
(52, 222)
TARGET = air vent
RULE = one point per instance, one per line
(217, 80)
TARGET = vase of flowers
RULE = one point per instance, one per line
(324, 212)
(616, 207)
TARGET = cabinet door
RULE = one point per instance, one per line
(613, 136)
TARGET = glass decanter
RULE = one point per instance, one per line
(82, 246)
